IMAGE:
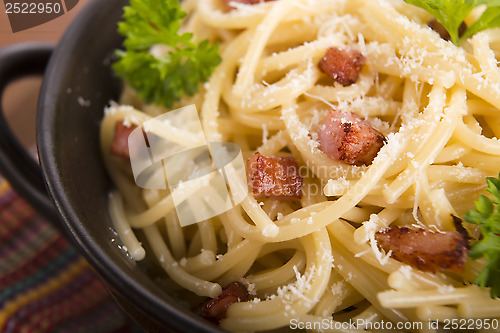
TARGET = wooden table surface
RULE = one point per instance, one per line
(20, 97)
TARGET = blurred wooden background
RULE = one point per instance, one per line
(19, 100)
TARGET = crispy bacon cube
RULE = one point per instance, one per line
(119, 146)
(426, 250)
(346, 137)
(274, 177)
(342, 65)
(214, 310)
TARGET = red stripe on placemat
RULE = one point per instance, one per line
(25, 237)
(39, 259)
(27, 317)
(15, 215)
(68, 301)
(8, 226)
(97, 320)
(92, 296)
(12, 260)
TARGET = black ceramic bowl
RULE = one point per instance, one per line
(78, 83)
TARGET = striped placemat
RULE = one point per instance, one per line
(45, 285)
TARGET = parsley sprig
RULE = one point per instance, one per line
(162, 80)
(451, 14)
(487, 216)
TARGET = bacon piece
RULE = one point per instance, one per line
(342, 65)
(276, 177)
(247, 2)
(119, 146)
(426, 250)
(214, 310)
(346, 137)
(441, 30)
(457, 222)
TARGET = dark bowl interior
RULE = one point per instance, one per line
(78, 84)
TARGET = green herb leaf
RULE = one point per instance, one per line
(487, 216)
(162, 79)
(489, 19)
(484, 206)
(451, 14)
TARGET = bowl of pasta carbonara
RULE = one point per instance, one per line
(324, 165)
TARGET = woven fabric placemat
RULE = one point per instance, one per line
(45, 284)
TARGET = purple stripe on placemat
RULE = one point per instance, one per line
(98, 319)
(46, 256)
(8, 225)
(19, 247)
(30, 317)
(47, 251)
(13, 221)
(7, 197)
(40, 276)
